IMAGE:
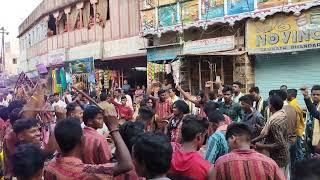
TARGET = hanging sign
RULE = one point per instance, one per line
(209, 45)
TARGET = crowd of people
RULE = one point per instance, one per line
(163, 132)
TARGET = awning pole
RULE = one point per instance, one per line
(200, 79)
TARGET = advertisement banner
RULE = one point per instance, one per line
(190, 11)
(240, 6)
(284, 33)
(262, 4)
(209, 45)
(81, 66)
(168, 15)
(163, 53)
(212, 9)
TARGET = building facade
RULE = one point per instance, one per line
(217, 39)
(91, 42)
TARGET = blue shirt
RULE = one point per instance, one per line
(217, 146)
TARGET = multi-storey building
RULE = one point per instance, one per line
(84, 40)
(259, 43)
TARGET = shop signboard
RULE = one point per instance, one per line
(209, 45)
(168, 15)
(57, 56)
(284, 33)
(163, 53)
(240, 6)
(79, 66)
(212, 9)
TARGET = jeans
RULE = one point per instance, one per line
(296, 153)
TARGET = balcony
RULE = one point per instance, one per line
(70, 39)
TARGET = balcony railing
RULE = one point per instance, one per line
(69, 40)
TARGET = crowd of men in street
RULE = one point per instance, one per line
(162, 133)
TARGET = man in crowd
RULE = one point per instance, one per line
(58, 102)
(276, 142)
(186, 160)
(313, 127)
(27, 131)
(237, 94)
(217, 145)
(307, 170)
(96, 149)
(242, 162)
(126, 86)
(28, 162)
(251, 116)
(172, 95)
(284, 88)
(152, 154)
(74, 110)
(124, 111)
(106, 101)
(296, 150)
(258, 100)
(163, 109)
(146, 115)
(228, 107)
(69, 165)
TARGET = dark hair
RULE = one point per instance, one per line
(285, 86)
(15, 115)
(237, 83)
(90, 112)
(118, 90)
(161, 92)
(215, 117)
(4, 113)
(27, 160)
(23, 124)
(182, 106)
(209, 107)
(212, 95)
(276, 102)
(272, 92)
(56, 94)
(191, 127)
(239, 129)
(201, 94)
(68, 133)
(71, 107)
(123, 97)
(16, 104)
(187, 90)
(282, 94)
(307, 170)
(146, 112)
(145, 101)
(254, 89)
(248, 98)
(292, 92)
(315, 88)
(129, 130)
(227, 88)
(154, 151)
(104, 96)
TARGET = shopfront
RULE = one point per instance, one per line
(56, 65)
(123, 59)
(286, 50)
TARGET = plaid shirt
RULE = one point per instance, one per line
(246, 164)
(278, 134)
(164, 109)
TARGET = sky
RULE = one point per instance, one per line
(12, 14)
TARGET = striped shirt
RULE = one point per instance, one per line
(217, 146)
(96, 149)
(247, 165)
(164, 109)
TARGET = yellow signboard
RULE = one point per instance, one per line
(284, 33)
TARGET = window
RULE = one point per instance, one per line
(108, 10)
(14, 61)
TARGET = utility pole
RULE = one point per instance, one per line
(3, 32)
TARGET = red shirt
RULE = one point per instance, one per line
(244, 164)
(124, 111)
(189, 164)
(71, 168)
(96, 149)
(9, 145)
(163, 109)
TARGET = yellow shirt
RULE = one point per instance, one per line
(300, 119)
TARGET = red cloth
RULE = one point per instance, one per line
(245, 164)
(71, 168)
(9, 145)
(124, 111)
(164, 109)
(189, 164)
(96, 149)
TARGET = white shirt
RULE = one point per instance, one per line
(4, 103)
(60, 104)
